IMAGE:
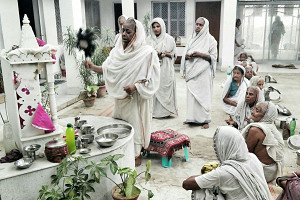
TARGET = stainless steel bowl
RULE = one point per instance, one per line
(87, 129)
(90, 138)
(107, 139)
(24, 163)
(122, 130)
(294, 142)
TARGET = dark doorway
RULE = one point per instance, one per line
(118, 12)
(212, 12)
(26, 7)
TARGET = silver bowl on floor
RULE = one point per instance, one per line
(107, 139)
(23, 163)
(122, 130)
(294, 142)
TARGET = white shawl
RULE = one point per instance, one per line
(253, 82)
(273, 140)
(232, 152)
(165, 43)
(202, 42)
(240, 92)
(243, 110)
(126, 67)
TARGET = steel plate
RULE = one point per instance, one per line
(122, 130)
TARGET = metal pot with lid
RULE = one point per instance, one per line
(56, 150)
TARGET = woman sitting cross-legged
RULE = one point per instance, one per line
(235, 87)
(240, 175)
(242, 115)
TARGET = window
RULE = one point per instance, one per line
(173, 14)
(92, 13)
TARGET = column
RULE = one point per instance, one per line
(128, 8)
(227, 33)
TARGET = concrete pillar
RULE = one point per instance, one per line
(128, 8)
(10, 23)
(190, 12)
(107, 14)
(227, 36)
(71, 15)
(144, 7)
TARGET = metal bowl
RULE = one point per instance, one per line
(107, 139)
(23, 163)
(90, 138)
(122, 130)
(294, 142)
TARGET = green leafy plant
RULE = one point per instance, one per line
(98, 58)
(129, 186)
(146, 22)
(90, 91)
(75, 178)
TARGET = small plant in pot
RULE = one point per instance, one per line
(128, 189)
(89, 95)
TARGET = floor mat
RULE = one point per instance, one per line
(107, 112)
(274, 190)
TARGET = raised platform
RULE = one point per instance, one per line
(26, 183)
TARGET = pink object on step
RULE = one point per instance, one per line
(42, 120)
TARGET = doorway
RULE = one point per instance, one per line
(118, 12)
(212, 12)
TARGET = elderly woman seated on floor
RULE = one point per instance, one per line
(249, 72)
(240, 175)
(264, 140)
(242, 115)
(259, 82)
(247, 60)
(234, 88)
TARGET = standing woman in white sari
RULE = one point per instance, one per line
(198, 67)
(164, 100)
(131, 74)
(235, 88)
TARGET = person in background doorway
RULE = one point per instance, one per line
(121, 21)
(164, 100)
(198, 67)
(277, 32)
(238, 42)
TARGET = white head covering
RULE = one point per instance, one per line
(127, 66)
(154, 39)
(121, 16)
(202, 42)
(232, 152)
(273, 140)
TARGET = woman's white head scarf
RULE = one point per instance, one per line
(255, 79)
(161, 37)
(271, 113)
(128, 66)
(232, 152)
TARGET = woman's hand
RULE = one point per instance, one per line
(89, 65)
(129, 89)
(187, 56)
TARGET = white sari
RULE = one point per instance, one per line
(199, 72)
(229, 109)
(164, 100)
(138, 64)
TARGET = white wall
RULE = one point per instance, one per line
(10, 23)
(107, 13)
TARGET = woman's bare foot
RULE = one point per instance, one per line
(138, 161)
(205, 126)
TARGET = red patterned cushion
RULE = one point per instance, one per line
(166, 142)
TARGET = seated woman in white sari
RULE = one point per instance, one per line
(131, 74)
(259, 82)
(240, 175)
(234, 88)
(264, 140)
(164, 100)
(242, 115)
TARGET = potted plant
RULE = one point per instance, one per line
(89, 95)
(75, 178)
(128, 189)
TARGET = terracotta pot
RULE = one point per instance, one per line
(101, 92)
(115, 193)
(89, 102)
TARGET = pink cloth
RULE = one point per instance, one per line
(42, 120)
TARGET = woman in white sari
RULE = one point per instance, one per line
(234, 88)
(240, 175)
(164, 100)
(198, 67)
(121, 21)
(131, 74)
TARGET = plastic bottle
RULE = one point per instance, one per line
(70, 135)
(293, 126)
(228, 71)
(8, 137)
